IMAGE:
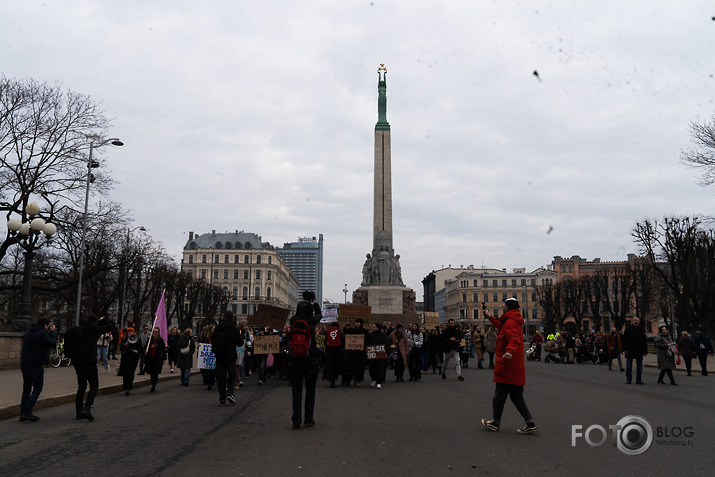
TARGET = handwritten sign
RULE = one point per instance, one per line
(266, 344)
(431, 320)
(329, 315)
(347, 314)
(355, 342)
(205, 357)
(376, 352)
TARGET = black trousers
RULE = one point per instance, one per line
(413, 363)
(86, 374)
(377, 369)
(302, 371)
(225, 377)
(516, 393)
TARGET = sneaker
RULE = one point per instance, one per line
(231, 399)
(528, 429)
(126, 393)
(489, 425)
(372, 384)
(172, 370)
(379, 386)
(240, 384)
(260, 383)
(460, 378)
(444, 376)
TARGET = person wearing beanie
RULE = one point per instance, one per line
(39, 339)
(509, 368)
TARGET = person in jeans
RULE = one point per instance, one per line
(38, 340)
(509, 369)
(451, 337)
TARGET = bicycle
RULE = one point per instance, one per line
(57, 356)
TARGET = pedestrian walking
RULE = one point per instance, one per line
(400, 344)
(451, 337)
(666, 354)
(490, 345)
(225, 340)
(185, 357)
(103, 350)
(704, 347)
(377, 364)
(85, 364)
(143, 339)
(688, 350)
(38, 340)
(131, 349)
(356, 358)
(509, 369)
(172, 348)
(333, 353)
(155, 355)
(208, 375)
(635, 347)
(416, 340)
(614, 345)
(303, 364)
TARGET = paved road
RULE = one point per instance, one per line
(425, 428)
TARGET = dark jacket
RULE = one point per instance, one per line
(131, 352)
(447, 335)
(36, 345)
(91, 331)
(702, 343)
(225, 339)
(312, 321)
(634, 342)
(662, 344)
(686, 347)
(186, 360)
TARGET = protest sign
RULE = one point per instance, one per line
(269, 316)
(376, 351)
(266, 344)
(431, 320)
(205, 357)
(347, 314)
(355, 342)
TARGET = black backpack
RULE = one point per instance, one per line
(73, 342)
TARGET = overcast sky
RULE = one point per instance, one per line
(259, 116)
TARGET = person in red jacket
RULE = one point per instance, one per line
(509, 372)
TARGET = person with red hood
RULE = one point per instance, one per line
(509, 368)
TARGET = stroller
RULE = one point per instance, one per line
(531, 353)
(550, 347)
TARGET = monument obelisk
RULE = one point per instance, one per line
(382, 288)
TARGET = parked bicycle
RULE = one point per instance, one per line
(57, 356)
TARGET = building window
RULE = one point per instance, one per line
(216, 273)
(503, 283)
(503, 296)
(235, 293)
(475, 314)
(244, 293)
(258, 274)
(533, 282)
(215, 258)
(513, 282)
(235, 274)
(475, 297)
(268, 293)
(235, 259)
(245, 274)
(258, 259)
(225, 274)
(269, 260)
(461, 314)
(225, 259)
(234, 308)
(464, 298)
(495, 283)
(244, 309)
(203, 258)
(485, 283)
(245, 259)
(203, 273)
(190, 273)
(268, 277)
(191, 259)
(523, 282)
(258, 293)
(495, 297)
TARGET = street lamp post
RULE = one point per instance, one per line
(90, 165)
(345, 290)
(28, 234)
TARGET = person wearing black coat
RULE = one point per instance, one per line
(635, 346)
(304, 370)
(85, 365)
(226, 338)
(39, 339)
(154, 358)
(377, 366)
(185, 360)
(131, 349)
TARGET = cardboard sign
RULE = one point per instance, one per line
(205, 357)
(376, 352)
(355, 342)
(431, 320)
(270, 316)
(266, 344)
(329, 315)
(347, 314)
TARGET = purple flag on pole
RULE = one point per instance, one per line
(160, 321)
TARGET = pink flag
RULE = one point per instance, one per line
(160, 320)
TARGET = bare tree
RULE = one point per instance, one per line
(44, 138)
(702, 155)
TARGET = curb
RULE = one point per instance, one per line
(13, 410)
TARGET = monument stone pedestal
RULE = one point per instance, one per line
(388, 303)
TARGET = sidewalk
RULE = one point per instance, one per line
(60, 386)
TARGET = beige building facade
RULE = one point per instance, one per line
(249, 270)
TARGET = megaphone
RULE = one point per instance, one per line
(132, 339)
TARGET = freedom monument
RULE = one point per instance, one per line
(382, 288)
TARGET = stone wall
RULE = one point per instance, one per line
(10, 347)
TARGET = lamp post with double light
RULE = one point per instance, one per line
(91, 164)
(27, 231)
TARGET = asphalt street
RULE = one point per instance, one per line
(430, 427)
